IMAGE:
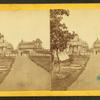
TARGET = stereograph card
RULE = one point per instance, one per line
(49, 49)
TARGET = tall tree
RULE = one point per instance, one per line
(59, 34)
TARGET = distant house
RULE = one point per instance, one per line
(5, 47)
(9, 49)
(77, 46)
(24, 47)
(31, 48)
(96, 47)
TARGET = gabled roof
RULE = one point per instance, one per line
(29, 44)
(26, 45)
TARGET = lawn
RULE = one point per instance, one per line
(5, 66)
(79, 59)
(42, 61)
(69, 72)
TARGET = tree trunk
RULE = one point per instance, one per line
(58, 61)
(52, 61)
(72, 49)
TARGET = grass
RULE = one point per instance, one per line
(69, 73)
(42, 61)
(79, 59)
(5, 66)
(64, 83)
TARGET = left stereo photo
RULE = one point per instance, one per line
(25, 58)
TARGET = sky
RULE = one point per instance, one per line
(25, 25)
(85, 22)
(28, 25)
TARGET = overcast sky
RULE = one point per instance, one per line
(26, 25)
(29, 25)
(85, 22)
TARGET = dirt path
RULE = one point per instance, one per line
(89, 78)
(26, 75)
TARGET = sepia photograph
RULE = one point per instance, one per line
(52, 50)
(25, 58)
(75, 47)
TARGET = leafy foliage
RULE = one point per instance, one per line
(59, 33)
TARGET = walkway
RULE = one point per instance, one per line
(90, 78)
(26, 75)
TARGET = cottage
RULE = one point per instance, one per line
(77, 46)
(5, 47)
(26, 48)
